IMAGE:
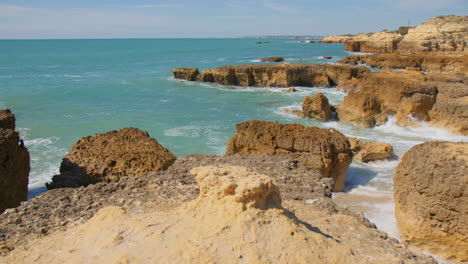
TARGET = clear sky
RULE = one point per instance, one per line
(32, 19)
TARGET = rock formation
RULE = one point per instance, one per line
(289, 90)
(283, 75)
(14, 163)
(442, 33)
(317, 107)
(273, 59)
(431, 200)
(324, 150)
(370, 151)
(434, 62)
(109, 156)
(237, 217)
(189, 74)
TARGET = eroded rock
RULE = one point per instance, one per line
(370, 151)
(188, 74)
(317, 107)
(273, 59)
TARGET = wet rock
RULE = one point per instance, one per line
(317, 107)
(370, 151)
(289, 90)
(188, 74)
(273, 59)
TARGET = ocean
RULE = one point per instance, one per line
(62, 90)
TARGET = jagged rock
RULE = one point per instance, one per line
(317, 107)
(188, 74)
(370, 151)
(384, 41)
(109, 156)
(434, 62)
(238, 216)
(442, 33)
(431, 203)
(283, 75)
(325, 150)
(289, 90)
(273, 59)
(14, 164)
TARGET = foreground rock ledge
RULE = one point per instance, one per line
(237, 217)
(284, 75)
(325, 150)
(431, 200)
(109, 156)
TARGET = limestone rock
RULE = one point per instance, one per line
(442, 33)
(283, 75)
(237, 217)
(327, 57)
(289, 90)
(109, 156)
(14, 164)
(317, 107)
(188, 74)
(324, 150)
(431, 200)
(384, 41)
(370, 151)
(273, 59)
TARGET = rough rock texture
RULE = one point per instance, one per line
(431, 199)
(283, 75)
(109, 156)
(237, 217)
(317, 107)
(325, 150)
(14, 163)
(384, 41)
(60, 208)
(434, 62)
(442, 33)
(370, 151)
(409, 95)
(273, 59)
(188, 74)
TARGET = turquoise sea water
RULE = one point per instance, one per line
(61, 90)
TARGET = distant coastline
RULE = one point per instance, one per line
(282, 37)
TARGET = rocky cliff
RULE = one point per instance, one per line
(283, 75)
(109, 156)
(237, 217)
(324, 150)
(431, 200)
(14, 163)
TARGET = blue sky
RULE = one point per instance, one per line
(208, 18)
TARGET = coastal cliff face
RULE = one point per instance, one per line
(239, 215)
(14, 163)
(324, 150)
(109, 156)
(442, 33)
(434, 62)
(284, 75)
(410, 96)
(431, 203)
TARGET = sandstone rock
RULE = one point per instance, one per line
(327, 57)
(273, 59)
(317, 107)
(283, 75)
(289, 90)
(324, 150)
(109, 156)
(370, 151)
(7, 119)
(434, 62)
(188, 74)
(384, 41)
(15, 164)
(431, 203)
(238, 216)
(442, 33)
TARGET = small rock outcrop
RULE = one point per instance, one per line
(237, 217)
(273, 59)
(324, 150)
(14, 163)
(283, 75)
(431, 200)
(188, 74)
(317, 107)
(370, 151)
(289, 90)
(109, 156)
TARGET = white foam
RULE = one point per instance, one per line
(257, 60)
(72, 76)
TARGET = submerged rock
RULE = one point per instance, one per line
(431, 203)
(109, 156)
(14, 163)
(324, 150)
(273, 59)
